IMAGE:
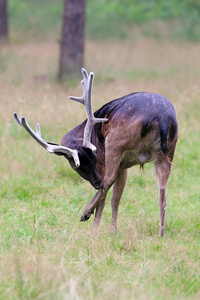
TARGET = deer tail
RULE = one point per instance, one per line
(166, 125)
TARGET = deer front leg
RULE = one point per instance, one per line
(118, 188)
(117, 191)
(112, 160)
(99, 197)
(98, 213)
(89, 210)
(98, 201)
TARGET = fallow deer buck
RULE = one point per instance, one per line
(132, 130)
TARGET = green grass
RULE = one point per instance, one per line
(35, 19)
(45, 252)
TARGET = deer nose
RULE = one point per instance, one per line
(98, 184)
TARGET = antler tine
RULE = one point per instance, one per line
(84, 84)
(35, 135)
(86, 100)
(91, 119)
(50, 148)
(15, 115)
(38, 131)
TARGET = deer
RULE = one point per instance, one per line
(135, 129)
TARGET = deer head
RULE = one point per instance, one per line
(82, 158)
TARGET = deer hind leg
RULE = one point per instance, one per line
(117, 191)
(163, 169)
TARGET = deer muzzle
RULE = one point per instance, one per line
(98, 184)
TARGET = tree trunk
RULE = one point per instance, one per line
(3, 20)
(72, 43)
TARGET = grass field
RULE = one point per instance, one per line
(45, 252)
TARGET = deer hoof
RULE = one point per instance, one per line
(86, 217)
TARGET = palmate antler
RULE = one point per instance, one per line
(49, 147)
(87, 83)
(86, 100)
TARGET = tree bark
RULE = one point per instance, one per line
(72, 43)
(3, 20)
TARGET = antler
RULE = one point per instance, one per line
(86, 100)
(49, 147)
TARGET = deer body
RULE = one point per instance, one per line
(132, 130)
(142, 127)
